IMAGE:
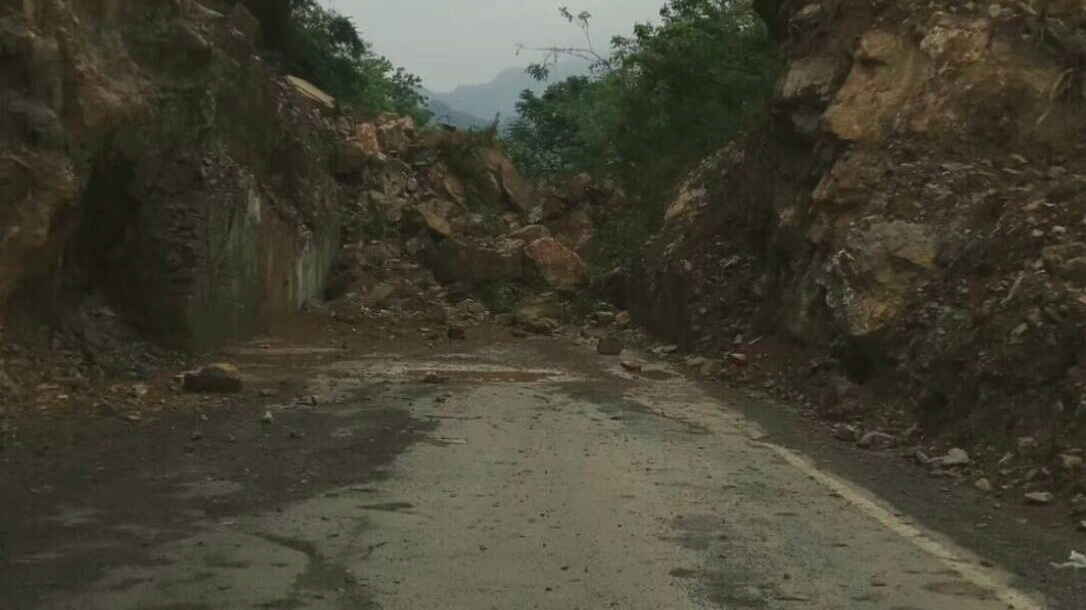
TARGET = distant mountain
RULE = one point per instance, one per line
(499, 96)
(443, 113)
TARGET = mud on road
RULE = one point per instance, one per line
(487, 474)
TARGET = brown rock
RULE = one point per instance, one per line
(517, 192)
(812, 77)
(214, 378)
(551, 206)
(623, 319)
(435, 215)
(537, 314)
(559, 266)
(311, 92)
(447, 185)
(395, 133)
(574, 230)
(460, 259)
(632, 365)
(889, 72)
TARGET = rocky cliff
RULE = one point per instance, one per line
(910, 215)
(159, 179)
(148, 155)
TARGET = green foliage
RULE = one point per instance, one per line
(324, 47)
(663, 99)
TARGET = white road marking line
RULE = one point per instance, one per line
(978, 576)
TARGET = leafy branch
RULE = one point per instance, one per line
(597, 63)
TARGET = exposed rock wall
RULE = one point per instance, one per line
(146, 152)
(914, 207)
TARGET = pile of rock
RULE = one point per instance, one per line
(450, 209)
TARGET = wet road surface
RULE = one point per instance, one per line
(510, 476)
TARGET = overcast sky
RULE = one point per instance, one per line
(456, 42)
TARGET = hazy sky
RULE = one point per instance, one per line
(454, 42)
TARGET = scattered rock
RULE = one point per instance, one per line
(1040, 497)
(609, 346)
(268, 417)
(920, 457)
(983, 485)
(1071, 462)
(632, 365)
(846, 432)
(665, 350)
(954, 457)
(623, 319)
(456, 333)
(875, 439)
(604, 318)
(435, 378)
(737, 358)
(214, 378)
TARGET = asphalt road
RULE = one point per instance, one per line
(506, 476)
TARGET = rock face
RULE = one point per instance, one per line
(147, 153)
(559, 266)
(892, 218)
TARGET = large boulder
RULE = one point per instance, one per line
(873, 280)
(517, 192)
(395, 133)
(574, 230)
(559, 266)
(359, 150)
(435, 215)
(446, 184)
(462, 259)
(538, 314)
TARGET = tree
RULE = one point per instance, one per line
(662, 99)
(326, 48)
